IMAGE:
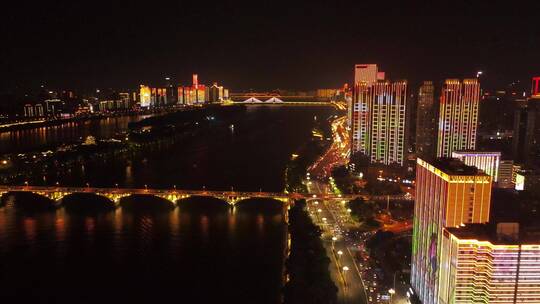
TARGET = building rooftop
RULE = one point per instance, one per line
(498, 233)
(454, 166)
(473, 152)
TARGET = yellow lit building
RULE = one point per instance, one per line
(483, 263)
(145, 96)
(448, 194)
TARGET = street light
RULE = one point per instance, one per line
(391, 291)
(339, 254)
(345, 269)
(334, 239)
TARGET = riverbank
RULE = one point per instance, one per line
(43, 122)
(307, 266)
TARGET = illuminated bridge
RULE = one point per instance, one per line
(56, 194)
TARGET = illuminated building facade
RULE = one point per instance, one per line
(195, 94)
(535, 88)
(485, 161)
(490, 264)
(458, 116)
(29, 110)
(158, 97)
(505, 174)
(365, 74)
(378, 120)
(448, 193)
(215, 93)
(426, 121)
(144, 96)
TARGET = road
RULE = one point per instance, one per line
(333, 218)
(336, 155)
(360, 283)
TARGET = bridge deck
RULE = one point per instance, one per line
(159, 192)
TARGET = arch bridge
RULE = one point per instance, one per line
(56, 194)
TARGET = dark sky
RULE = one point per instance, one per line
(263, 44)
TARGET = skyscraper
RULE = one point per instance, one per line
(458, 116)
(426, 121)
(144, 96)
(490, 264)
(365, 73)
(378, 120)
(448, 194)
(526, 138)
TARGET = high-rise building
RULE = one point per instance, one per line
(489, 264)
(485, 161)
(526, 137)
(29, 110)
(365, 73)
(54, 107)
(458, 116)
(215, 93)
(378, 120)
(144, 96)
(426, 121)
(158, 97)
(448, 194)
(39, 110)
(535, 88)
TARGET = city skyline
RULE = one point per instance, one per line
(264, 152)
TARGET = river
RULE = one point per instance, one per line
(195, 254)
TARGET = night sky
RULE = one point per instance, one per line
(263, 44)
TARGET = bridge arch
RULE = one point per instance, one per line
(146, 202)
(89, 201)
(205, 200)
(33, 201)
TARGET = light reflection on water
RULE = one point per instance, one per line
(241, 251)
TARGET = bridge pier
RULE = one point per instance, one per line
(173, 197)
(113, 197)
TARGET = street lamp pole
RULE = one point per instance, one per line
(344, 271)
